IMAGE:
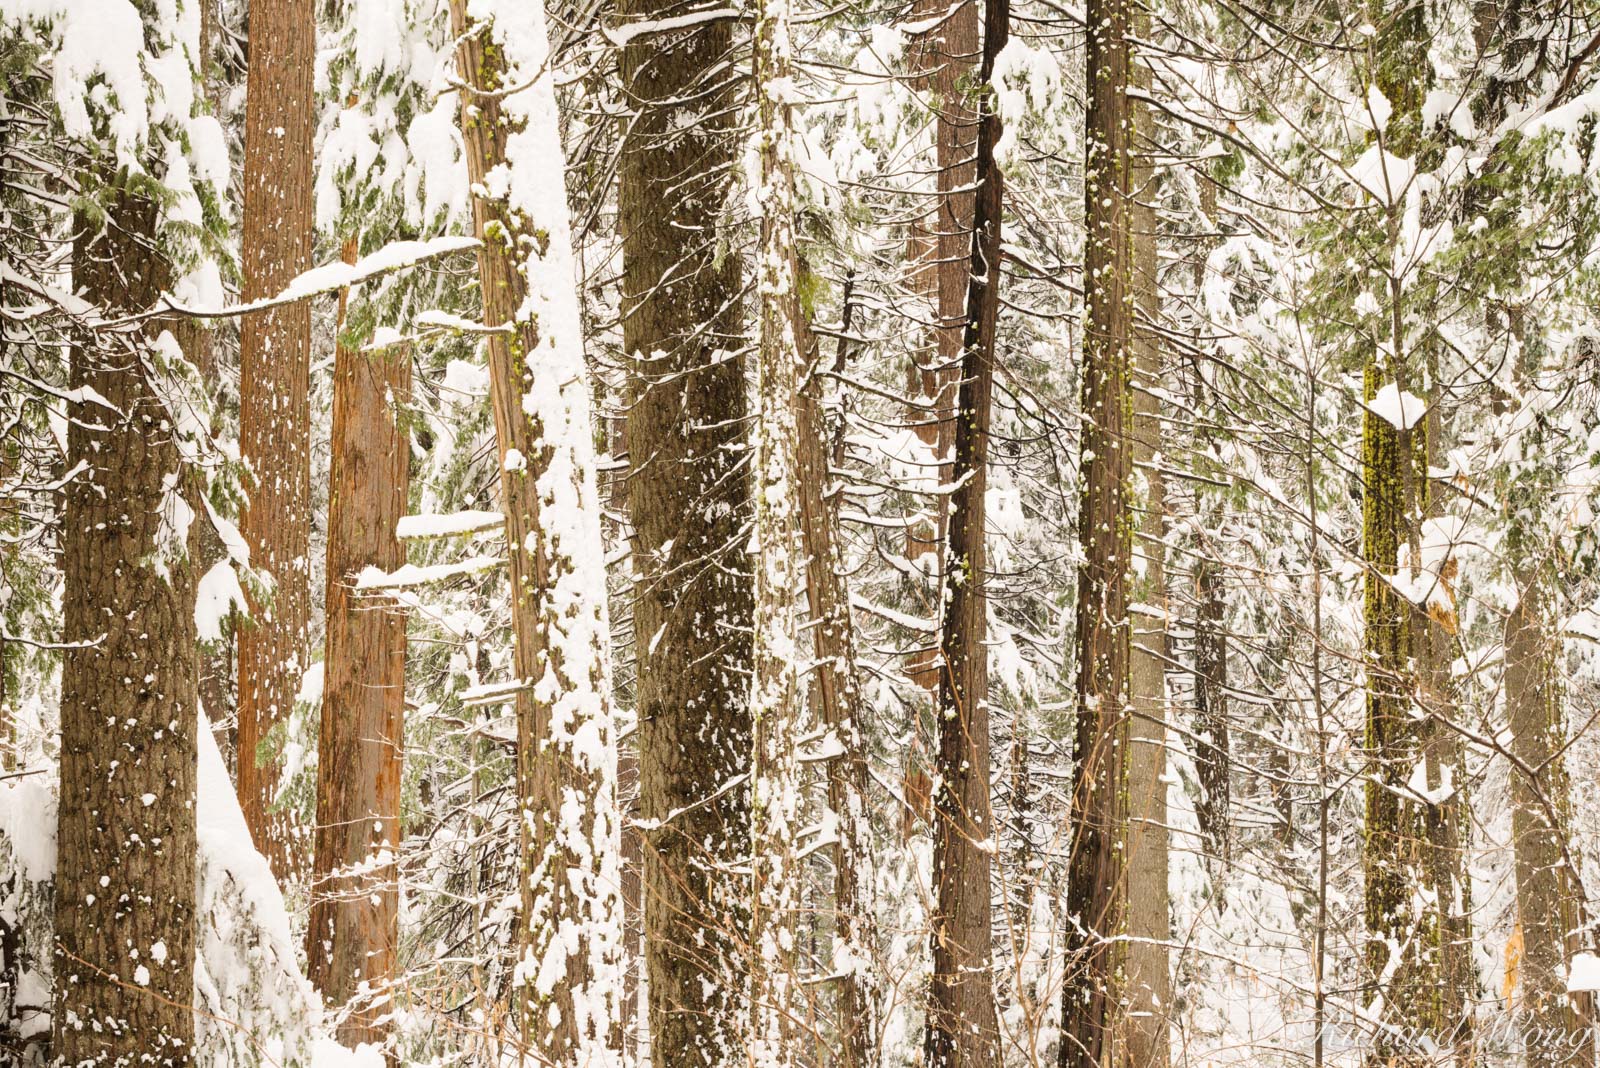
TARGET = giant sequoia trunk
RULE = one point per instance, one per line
(1096, 877)
(569, 924)
(125, 885)
(274, 397)
(962, 1031)
(689, 501)
(354, 926)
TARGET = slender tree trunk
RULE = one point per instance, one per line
(1213, 746)
(1149, 997)
(353, 931)
(778, 710)
(569, 926)
(962, 1031)
(1096, 878)
(632, 901)
(274, 406)
(942, 60)
(1557, 1036)
(843, 715)
(125, 883)
(690, 503)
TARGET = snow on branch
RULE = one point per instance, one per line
(329, 278)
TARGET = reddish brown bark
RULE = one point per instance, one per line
(962, 1031)
(274, 391)
(353, 929)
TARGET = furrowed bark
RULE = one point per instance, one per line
(1096, 877)
(353, 930)
(125, 885)
(962, 1031)
(689, 500)
(568, 977)
(274, 404)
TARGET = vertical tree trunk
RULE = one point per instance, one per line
(839, 690)
(1149, 998)
(942, 59)
(689, 501)
(1213, 748)
(1557, 1036)
(1096, 877)
(962, 1031)
(274, 392)
(125, 884)
(354, 925)
(779, 713)
(569, 925)
(1415, 894)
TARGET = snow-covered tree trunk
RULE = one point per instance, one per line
(353, 930)
(125, 886)
(568, 977)
(778, 711)
(274, 398)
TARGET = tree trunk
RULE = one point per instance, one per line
(1557, 1036)
(1415, 898)
(690, 504)
(125, 885)
(1096, 877)
(274, 404)
(962, 1031)
(569, 925)
(843, 715)
(1149, 996)
(942, 59)
(353, 930)
(1213, 762)
(779, 713)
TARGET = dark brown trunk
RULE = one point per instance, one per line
(125, 884)
(353, 930)
(962, 1031)
(689, 500)
(274, 406)
(1096, 878)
